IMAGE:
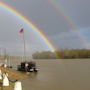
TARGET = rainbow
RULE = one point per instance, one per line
(61, 11)
(34, 28)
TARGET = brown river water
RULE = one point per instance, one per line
(60, 75)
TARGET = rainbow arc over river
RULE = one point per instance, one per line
(27, 21)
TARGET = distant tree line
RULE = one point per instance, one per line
(44, 55)
(75, 53)
(65, 54)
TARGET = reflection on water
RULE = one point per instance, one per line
(32, 75)
(59, 75)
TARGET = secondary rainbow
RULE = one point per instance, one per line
(69, 20)
(15, 12)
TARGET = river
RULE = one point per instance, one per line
(60, 75)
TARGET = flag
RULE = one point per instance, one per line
(21, 31)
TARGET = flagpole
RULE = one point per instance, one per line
(24, 44)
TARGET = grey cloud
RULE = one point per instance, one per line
(48, 20)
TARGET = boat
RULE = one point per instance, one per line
(27, 67)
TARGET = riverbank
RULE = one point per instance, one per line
(12, 76)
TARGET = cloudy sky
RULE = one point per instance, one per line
(66, 23)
